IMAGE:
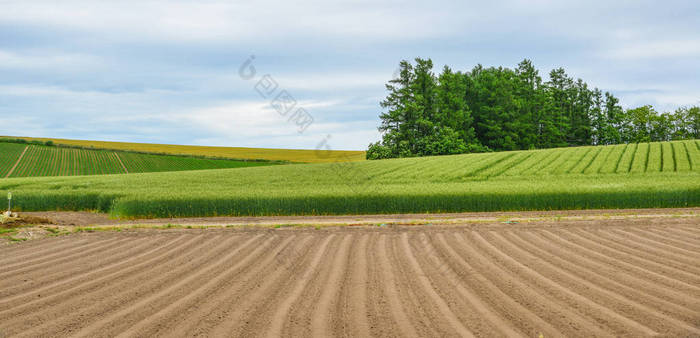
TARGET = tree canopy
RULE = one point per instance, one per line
(494, 109)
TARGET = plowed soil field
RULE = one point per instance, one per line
(627, 277)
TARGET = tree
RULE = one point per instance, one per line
(509, 109)
(598, 120)
(529, 93)
(617, 130)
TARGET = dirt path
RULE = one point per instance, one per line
(585, 277)
(459, 219)
(126, 171)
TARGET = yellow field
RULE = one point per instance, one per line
(291, 155)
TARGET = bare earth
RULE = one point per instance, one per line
(557, 274)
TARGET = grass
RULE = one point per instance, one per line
(4, 231)
(55, 161)
(237, 153)
(474, 182)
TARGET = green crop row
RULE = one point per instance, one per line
(9, 154)
(41, 161)
(431, 184)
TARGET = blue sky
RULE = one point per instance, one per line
(168, 71)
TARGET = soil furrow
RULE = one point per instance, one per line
(426, 316)
(636, 285)
(427, 285)
(602, 253)
(111, 295)
(509, 311)
(193, 293)
(531, 293)
(321, 317)
(352, 304)
(34, 301)
(675, 237)
(280, 316)
(227, 307)
(57, 275)
(654, 242)
(114, 322)
(469, 306)
(604, 289)
(580, 277)
(639, 258)
(57, 257)
(389, 286)
(39, 247)
(601, 313)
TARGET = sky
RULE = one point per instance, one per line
(209, 72)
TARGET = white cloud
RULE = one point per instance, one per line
(655, 49)
(99, 66)
(47, 61)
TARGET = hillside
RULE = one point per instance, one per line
(624, 176)
(236, 153)
(30, 160)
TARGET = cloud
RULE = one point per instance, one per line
(46, 61)
(167, 71)
(664, 49)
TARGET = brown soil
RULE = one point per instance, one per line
(97, 219)
(574, 277)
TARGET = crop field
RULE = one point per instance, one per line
(9, 154)
(235, 153)
(55, 161)
(624, 278)
(621, 176)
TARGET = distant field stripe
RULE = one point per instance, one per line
(613, 158)
(669, 158)
(21, 167)
(493, 162)
(655, 162)
(693, 155)
(640, 158)
(126, 171)
(578, 154)
(17, 162)
(460, 169)
(625, 155)
(625, 164)
(586, 160)
(681, 156)
(503, 166)
(559, 162)
(554, 154)
(536, 158)
(599, 160)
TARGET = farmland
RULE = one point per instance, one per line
(236, 153)
(9, 155)
(616, 277)
(55, 161)
(621, 176)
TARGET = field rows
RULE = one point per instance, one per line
(645, 175)
(666, 157)
(9, 154)
(235, 153)
(612, 280)
(40, 161)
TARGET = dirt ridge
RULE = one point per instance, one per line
(607, 278)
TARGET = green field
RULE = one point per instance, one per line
(9, 154)
(621, 176)
(56, 161)
(236, 153)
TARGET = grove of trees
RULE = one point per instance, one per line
(494, 109)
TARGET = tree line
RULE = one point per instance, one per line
(495, 109)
